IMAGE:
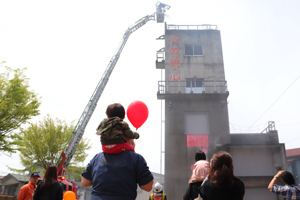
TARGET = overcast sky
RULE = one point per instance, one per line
(66, 46)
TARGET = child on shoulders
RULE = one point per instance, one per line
(115, 134)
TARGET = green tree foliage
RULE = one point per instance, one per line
(74, 172)
(17, 105)
(42, 143)
(8, 143)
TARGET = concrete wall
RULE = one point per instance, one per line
(256, 162)
(257, 193)
(179, 153)
(209, 66)
(179, 157)
(257, 158)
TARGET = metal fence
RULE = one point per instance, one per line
(181, 86)
(192, 27)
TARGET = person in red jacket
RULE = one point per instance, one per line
(27, 190)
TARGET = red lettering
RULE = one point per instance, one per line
(175, 77)
(174, 51)
(175, 63)
(173, 39)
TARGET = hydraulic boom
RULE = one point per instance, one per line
(72, 145)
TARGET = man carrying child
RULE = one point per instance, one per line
(115, 173)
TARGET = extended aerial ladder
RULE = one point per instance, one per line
(77, 134)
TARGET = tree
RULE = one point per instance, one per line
(17, 105)
(74, 172)
(42, 143)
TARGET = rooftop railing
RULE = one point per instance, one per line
(271, 127)
(192, 27)
(181, 86)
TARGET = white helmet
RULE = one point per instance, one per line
(158, 187)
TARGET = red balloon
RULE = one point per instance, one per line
(137, 113)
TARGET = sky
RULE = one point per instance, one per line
(66, 46)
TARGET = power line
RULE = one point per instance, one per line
(293, 139)
(243, 129)
(288, 124)
(276, 100)
(260, 125)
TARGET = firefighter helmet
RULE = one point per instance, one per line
(158, 187)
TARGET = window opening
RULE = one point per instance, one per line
(195, 85)
(193, 50)
(188, 50)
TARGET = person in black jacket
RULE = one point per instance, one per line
(221, 183)
(49, 188)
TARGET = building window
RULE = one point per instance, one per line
(195, 85)
(193, 50)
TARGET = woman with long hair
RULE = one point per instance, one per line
(49, 188)
(221, 183)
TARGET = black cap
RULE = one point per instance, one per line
(34, 174)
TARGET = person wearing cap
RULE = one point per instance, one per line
(291, 189)
(27, 190)
(158, 193)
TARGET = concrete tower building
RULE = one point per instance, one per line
(196, 114)
(195, 94)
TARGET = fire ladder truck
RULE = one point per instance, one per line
(77, 134)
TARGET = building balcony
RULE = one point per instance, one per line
(160, 64)
(160, 59)
(183, 87)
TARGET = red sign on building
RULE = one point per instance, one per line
(174, 62)
(197, 140)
